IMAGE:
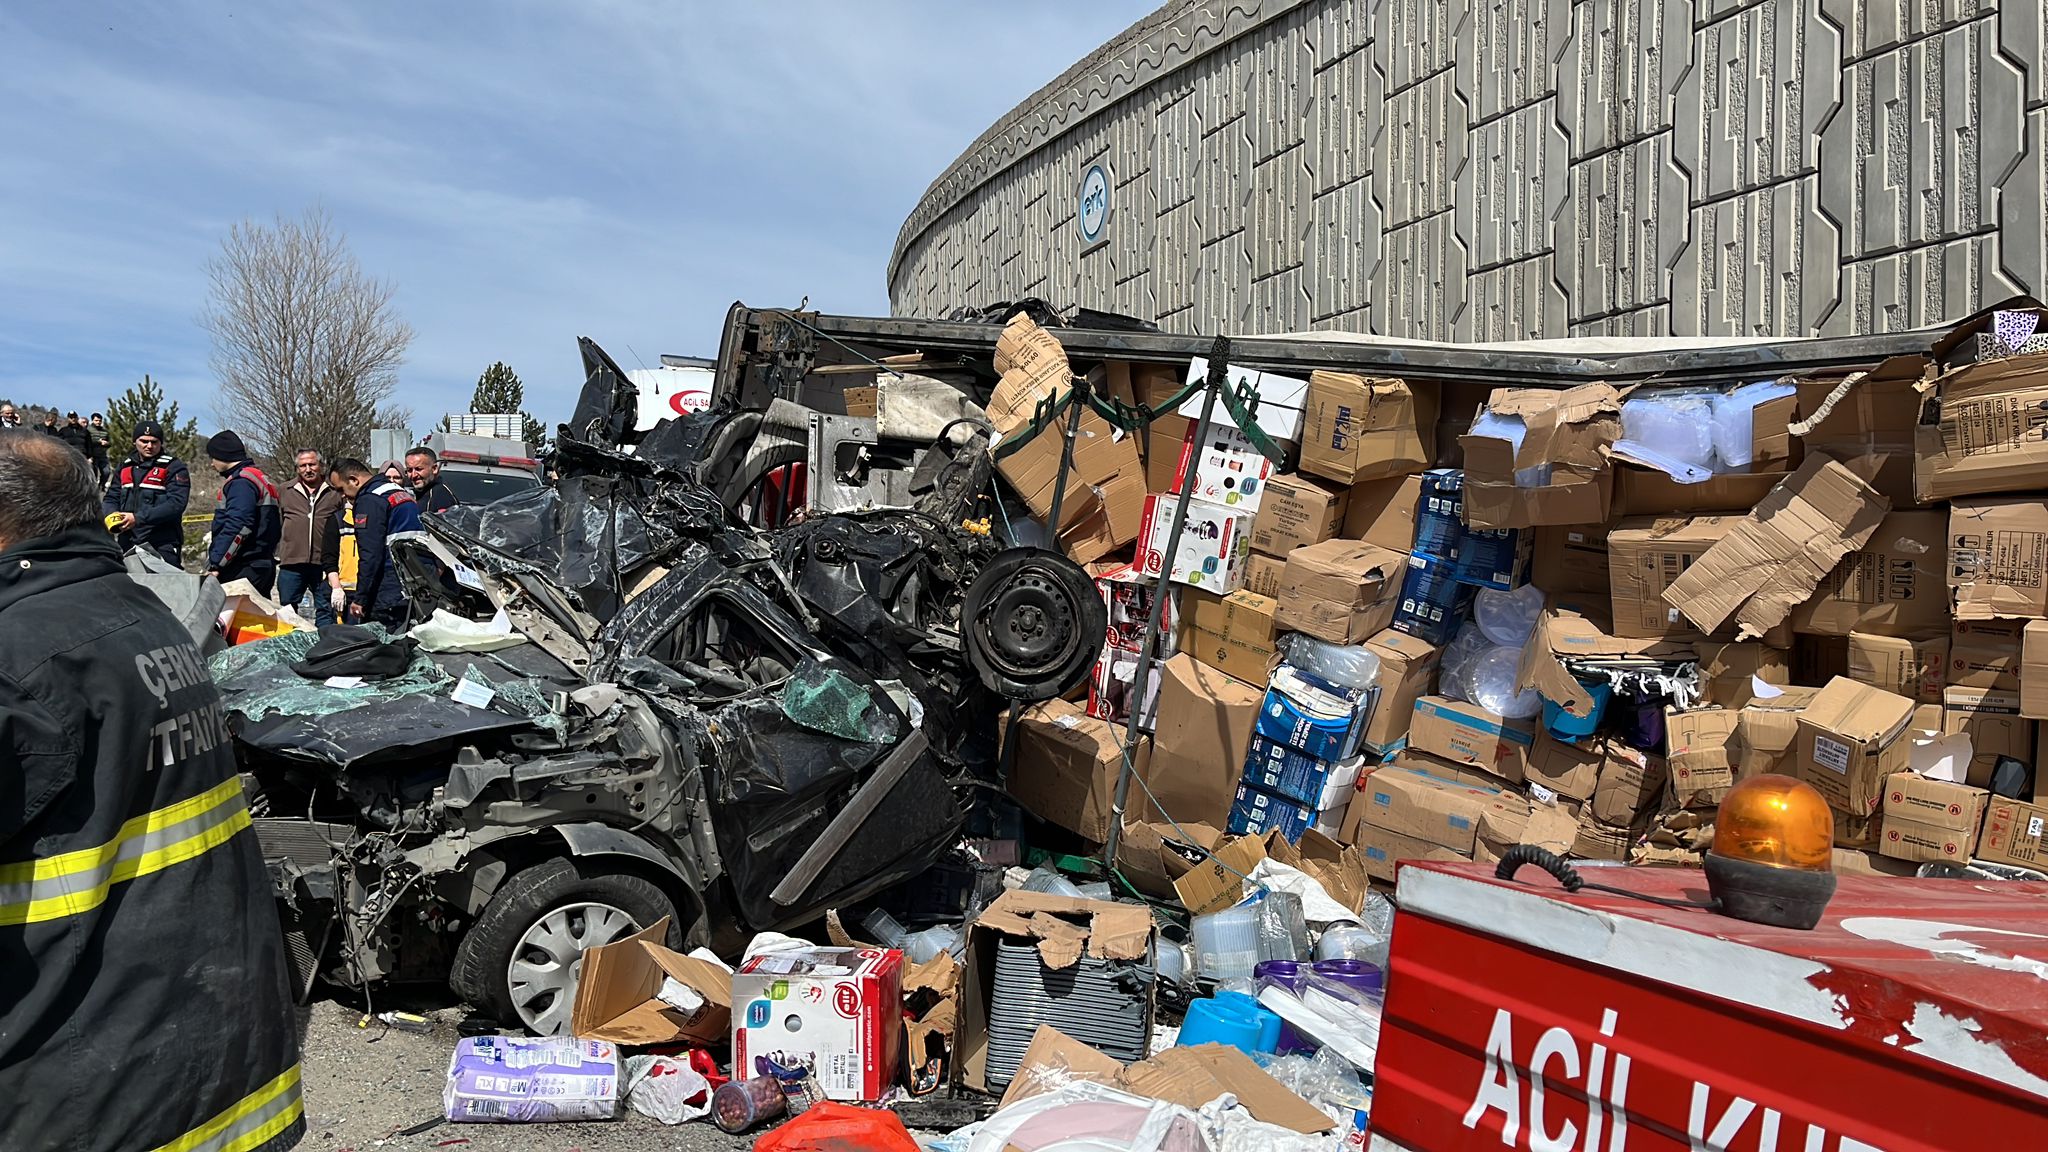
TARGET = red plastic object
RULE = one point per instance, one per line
(1522, 1017)
(833, 1127)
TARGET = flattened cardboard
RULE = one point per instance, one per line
(1767, 734)
(1512, 820)
(1413, 803)
(1645, 557)
(1936, 803)
(1986, 434)
(1262, 574)
(1408, 668)
(1055, 1058)
(1235, 634)
(1365, 428)
(1152, 856)
(1341, 591)
(1998, 558)
(1779, 553)
(1570, 562)
(1630, 783)
(1468, 734)
(1204, 726)
(1851, 739)
(1296, 512)
(1067, 927)
(1563, 633)
(1192, 1077)
(2034, 670)
(1338, 867)
(1697, 746)
(1382, 512)
(1917, 669)
(1570, 770)
(616, 995)
(1598, 841)
(1895, 584)
(2015, 832)
(1067, 767)
(1217, 882)
(1729, 672)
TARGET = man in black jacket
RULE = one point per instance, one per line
(148, 494)
(146, 1002)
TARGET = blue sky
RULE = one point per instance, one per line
(525, 172)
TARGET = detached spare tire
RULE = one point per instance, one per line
(1033, 624)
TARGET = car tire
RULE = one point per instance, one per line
(1032, 623)
(543, 916)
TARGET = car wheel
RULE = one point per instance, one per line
(1033, 623)
(523, 957)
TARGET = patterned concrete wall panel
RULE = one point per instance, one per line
(1652, 321)
(1920, 286)
(1344, 247)
(1343, 102)
(1925, 133)
(1337, 30)
(1621, 230)
(1508, 58)
(1760, 263)
(1421, 265)
(1223, 287)
(1176, 244)
(2023, 36)
(1763, 81)
(1873, 26)
(2020, 201)
(1518, 301)
(1177, 148)
(1279, 217)
(1223, 184)
(1420, 149)
(1618, 71)
(1279, 68)
(1278, 303)
(1513, 184)
(1416, 39)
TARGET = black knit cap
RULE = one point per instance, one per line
(226, 446)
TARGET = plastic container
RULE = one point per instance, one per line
(1283, 929)
(887, 932)
(1453, 674)
(1095, 890)
(1348, 942)
(921, 947)
(1215, 1021)
(1171, 960)
(1572, 729)
(1356, 975)
(1508, 618)
(1735, 421)
(1675, 424)
(1267, 1022)
(1491, 679)
(1051, 883)
(738, 1105)
(1345, 665)
(1226, 943)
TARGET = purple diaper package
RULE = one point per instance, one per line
(529, 1080)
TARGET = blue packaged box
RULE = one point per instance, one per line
(1256, 812)
(1314, 716)
(1494, 558)
(1284, 771)
(1432, 601)
(1440, 514)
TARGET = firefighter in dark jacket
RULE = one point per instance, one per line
(246, 525)
(146, 1002)
(149, 494)
(378, 507)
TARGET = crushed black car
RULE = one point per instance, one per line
(628, 703)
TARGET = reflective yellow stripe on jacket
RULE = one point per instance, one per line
(255, 1119)
(345, 549)
(57, 886)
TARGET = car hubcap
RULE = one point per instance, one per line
(549, 958)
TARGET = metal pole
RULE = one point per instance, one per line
(1219, 374)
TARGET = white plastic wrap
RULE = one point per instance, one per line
(447, 632)
(1675, 424)
(1508, 618)
(1735, 420)
(1345, 665)
(1085, 1117)
(666, 1088)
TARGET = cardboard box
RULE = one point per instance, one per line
(1865, 422)
(1365, 428)
(1213, 545)
(1991, 718)
(1408, 667)
(1729, 672)
(2034, 670)
(860, 401)
(1067, 767)
(1936, 803)
(1912, 840)
(1863, 832)
(1234, 633)
(841, 1008)
(1441, 811)
(1649, 492)
(1493, 558)
(1385, 850)
(1853, 862)
(1440, 514)
(1257, 812)
(1325, 720)
(1468, 734)
(1064, 929)
(1295, 775)
(1766, 734)
(1895, 584)
(1569, 770)
(1570, 562)
(1512, 820)
(1561, 635)
(1432, 601)
(2015, 832)
(1296, 512)
(1128, 594)
(1262, 574)
(1598, 841)
(1187, 1076)
(1702, 761)
(1342, 591)
(1645, 557)
(1225, 469)
(1217, 881)
(1569, 431)
(1989, 654)
(1154, 855)
(618, 996)
(1851, 739)
(1916, 669)
(1776, 556)
(1630, 783)
(1204, 727)
(1032, 367)
(1160, 446)
(1985, 433)
(1111, 689)
(1997, 557)
(1105, 478)
(1281, 399)
(1382, 512)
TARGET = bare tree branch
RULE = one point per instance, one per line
(306, 345)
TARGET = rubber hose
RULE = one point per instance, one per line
(1512, 860)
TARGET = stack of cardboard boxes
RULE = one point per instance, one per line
(1861, 600)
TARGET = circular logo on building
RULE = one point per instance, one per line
(1094, 208)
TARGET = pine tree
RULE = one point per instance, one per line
(145, 401)
(499, 391)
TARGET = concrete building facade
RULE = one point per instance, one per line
(1509, 169)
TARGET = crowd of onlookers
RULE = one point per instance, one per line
(319, 537)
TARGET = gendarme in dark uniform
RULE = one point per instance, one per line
(143, 1001)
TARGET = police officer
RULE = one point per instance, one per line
(149, 494)
(246, 524)
(378, 506)
(145, 1002)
